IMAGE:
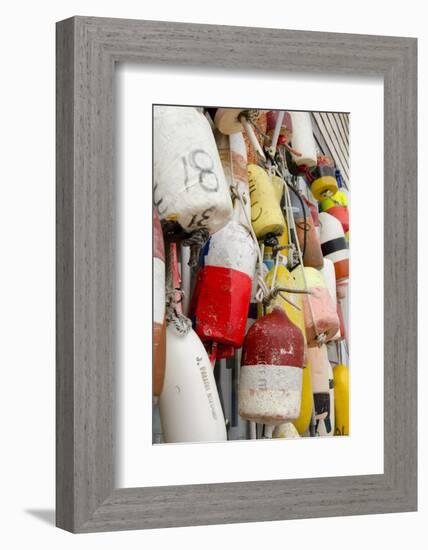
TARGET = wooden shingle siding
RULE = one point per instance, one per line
(331, 131)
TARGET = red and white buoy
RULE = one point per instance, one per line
(222, 292)
(273, 359)
(159, 325)
(334, 246)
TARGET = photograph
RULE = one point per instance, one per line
(251, 263)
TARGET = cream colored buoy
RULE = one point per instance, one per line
(318, 358)
(303, 139)
(190, 190)
(266, 214)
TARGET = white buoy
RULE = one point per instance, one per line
(189, 404)
(190, 188)
(303, 139)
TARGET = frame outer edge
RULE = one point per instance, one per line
(96, 506)
(65, 108)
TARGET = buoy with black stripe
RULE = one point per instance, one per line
(319, 310)
(273, 358)
(334, 246)
(189, 404)
(159, 324)
(306, 234)
(326, 426)
(190, 190)
(318, 358)
(266, 215)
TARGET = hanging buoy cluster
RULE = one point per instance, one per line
(250, 277)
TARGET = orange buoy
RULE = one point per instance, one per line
(159, 325)
(306, 234)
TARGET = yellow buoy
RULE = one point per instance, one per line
(302, 423)
(338, 199)
(324, 187)
(266, 213)
(341, 399)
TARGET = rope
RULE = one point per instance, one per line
(196, 241)
(174, 296)
(321, 337)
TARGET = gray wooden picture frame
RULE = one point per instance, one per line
(87, 51)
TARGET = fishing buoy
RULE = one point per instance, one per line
(333, 245)
(266, 214)
(318, 359)
(239, 177)
(321, 179)
(302, 422)
(330, 279)
(303, 139)
(273, 358)
(337, 206)
(222, 292)
(341, 402)
(190, 190)
(159, 325)
(189, 404)
(306, 234)
(319, 310)
(286, 129)
(286, 431)
(232, 121)
(326, 426)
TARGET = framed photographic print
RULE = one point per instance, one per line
(236, 274)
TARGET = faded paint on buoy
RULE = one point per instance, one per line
(318, 358)
(222, 292)
(190, 190)
(266, 214)
(273, 358)
(303, 139)
(319, 303)
(312, 254)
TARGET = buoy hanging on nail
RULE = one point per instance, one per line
(341, 402)
(306, 234)
(273, 358)
(303, 139)
(266, 214)
(321, 320)
(334, 246)
(190, 190)
(159, 323)
(318, 359)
